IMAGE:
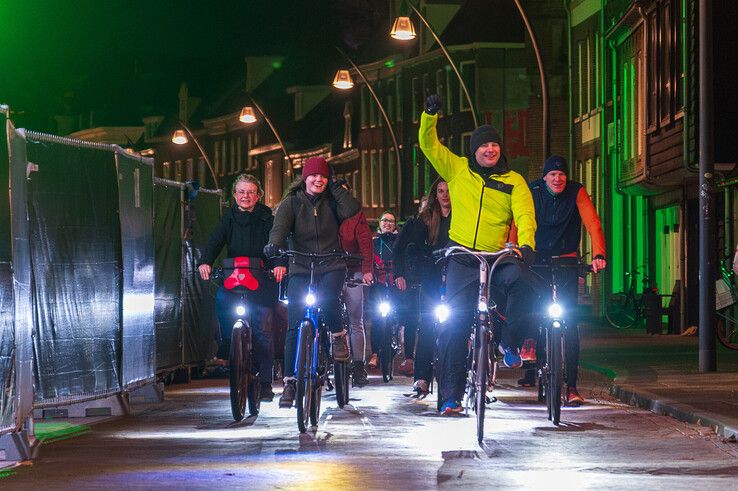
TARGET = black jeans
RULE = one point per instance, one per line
(567, 292)
(510, 291)
(328, 292)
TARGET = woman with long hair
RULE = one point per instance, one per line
(414, 265)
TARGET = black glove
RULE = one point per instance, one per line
(271, 250)
(433, 104)
(529, 255)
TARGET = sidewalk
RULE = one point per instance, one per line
(661, 373)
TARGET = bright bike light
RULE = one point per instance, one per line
(555, 310)
(310, 299)
(384, 308)
(240, 310)
(482, 307)
(557, 324)
(284, 301)
(442, 312)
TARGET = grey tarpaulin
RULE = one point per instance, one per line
(136, 225)
(75, 260)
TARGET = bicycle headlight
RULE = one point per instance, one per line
(310, 299)
(442, 312)
(384, 308)
(482, 307)
(555, 310)
(240, 310)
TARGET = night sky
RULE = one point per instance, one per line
(125, 59)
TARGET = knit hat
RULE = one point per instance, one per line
(315, 165)
(483, 134)
(554, 162)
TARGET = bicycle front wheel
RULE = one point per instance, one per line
(341, 376)
(239, 379)
(304, 376)
(556, 375)
(386, 351)
(481, 363)
(620, 311)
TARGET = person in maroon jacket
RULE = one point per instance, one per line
(356, 238)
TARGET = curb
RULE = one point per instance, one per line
(667, 407)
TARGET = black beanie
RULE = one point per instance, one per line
(483, 134)
(554, 162)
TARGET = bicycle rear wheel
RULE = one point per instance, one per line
(341, 376)
(239, 379)
(481, 363)
(304, 376)
(727, 326)
(620, 311)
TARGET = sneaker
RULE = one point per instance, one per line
(341, 350)
(420, 387)
(511, 357)
(528, 351)
(451, 407)
(359, 375)
(573, 398)
(373, 361)
(288, 393)
(267, 393)
(406, 367)
(529, 380)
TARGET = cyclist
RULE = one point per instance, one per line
(383, 245)
(309, 216)
(356, 239)
(562, 206)
(486, 196)
(420, 236)
(244, 230)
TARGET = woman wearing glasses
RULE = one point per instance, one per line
(244, 231)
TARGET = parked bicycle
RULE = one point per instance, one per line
(481, 357)
(244, 380)
(627, 308)
(551, 361)
(312, 360)
(726, 297)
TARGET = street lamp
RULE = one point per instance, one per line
(248, 116)
(180, 138)
(343, 81)
(403, 29)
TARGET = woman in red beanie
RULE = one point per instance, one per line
(310, 214)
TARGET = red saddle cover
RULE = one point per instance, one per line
(242, 275)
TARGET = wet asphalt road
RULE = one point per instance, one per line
(383, 440)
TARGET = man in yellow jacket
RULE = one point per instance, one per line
(486, 197)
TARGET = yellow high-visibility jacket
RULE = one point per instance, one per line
(482, 208)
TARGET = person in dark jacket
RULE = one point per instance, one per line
(356, 239)
(310, 219)
(413, 254)
(244, 231)
(562, 206)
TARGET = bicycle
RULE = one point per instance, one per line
(726, 306)
(479, 364)
(311, 362)
(627, 308)
(244, 380)
(386, 327)
(551, 363)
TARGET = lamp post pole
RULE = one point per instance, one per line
(389, 128)
(202, 152)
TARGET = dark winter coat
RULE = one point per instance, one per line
(413, 255)
(312, 226)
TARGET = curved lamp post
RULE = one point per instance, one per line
(343, 81)
(248, 116)
(403, 30)
(180, 138)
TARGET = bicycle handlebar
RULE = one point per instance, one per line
(320, 255)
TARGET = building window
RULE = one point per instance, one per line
(374, 177)
(364, 107)
(355, 183)
(451, 83)
(415, 99)
(441, 83)
(201, 176)
(428, 88)
(270, 191)
(365, 178)
(239, 155)
(666, 65)
(416, 173)
(232, 153)
(372, 107)
(391, 107)
(398, 100)
(178, 170)
(580, 78)
(469, 76)
(166, 170)
(392, 177)
(382, 177)
(465, 143)
(190, 172)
